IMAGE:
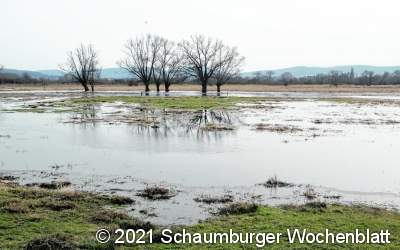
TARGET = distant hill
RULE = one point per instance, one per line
(52, 74)
(113, 73)
(32, 74)
(299, 71)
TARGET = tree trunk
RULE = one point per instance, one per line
(219, 88)
(92, 86)
(158, 87)
(166, 87)
(147, 87)
(85, 87)
(204, 88)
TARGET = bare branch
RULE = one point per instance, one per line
(230, 62)
(201, 58)
(83, 66)
(169, 66)
(140, 57)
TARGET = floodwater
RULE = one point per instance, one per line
(335, 148)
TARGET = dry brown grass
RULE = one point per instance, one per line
(228, 87)
(277, 128)
(15, 206)
(108, 216)
(57, 241)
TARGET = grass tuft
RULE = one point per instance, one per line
(108, 216)
(273, 182)
(120, 200)
(136, 224)
(58, 241)
(16, 206)
(51, 185)
(238, 208)
(211, 200)
(156, 193)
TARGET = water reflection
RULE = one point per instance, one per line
(88, 114)
(203, 118)
(204, 124)
(200, 124)
(159, 123)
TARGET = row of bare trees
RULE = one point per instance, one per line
(153, 59)
(333, 77)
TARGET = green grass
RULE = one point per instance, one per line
(190, 102)
(78, 105)
(336, 218)
(25, 214)
(31, 219)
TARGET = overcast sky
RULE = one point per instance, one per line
(270, 34)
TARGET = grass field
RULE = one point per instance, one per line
(190, 102)
(37, 216)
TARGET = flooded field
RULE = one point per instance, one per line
(320, 146)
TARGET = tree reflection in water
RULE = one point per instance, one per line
(201, 124)
(86, 115)
(161, 123)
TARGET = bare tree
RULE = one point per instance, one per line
(269, 75)
(383, 78)
(1, 78)
(141, 55)
(169, 65)
(258, 76)
(26, 77)
(352, 75)
(201, 58)
(286, 78)
(83, 66)
(334, 77)
(368, 77)
(229, 61)
(157, 76)
(396, 77)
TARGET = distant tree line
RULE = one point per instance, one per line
(333, 77)
(19, 79)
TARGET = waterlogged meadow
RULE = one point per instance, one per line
(183, 157)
